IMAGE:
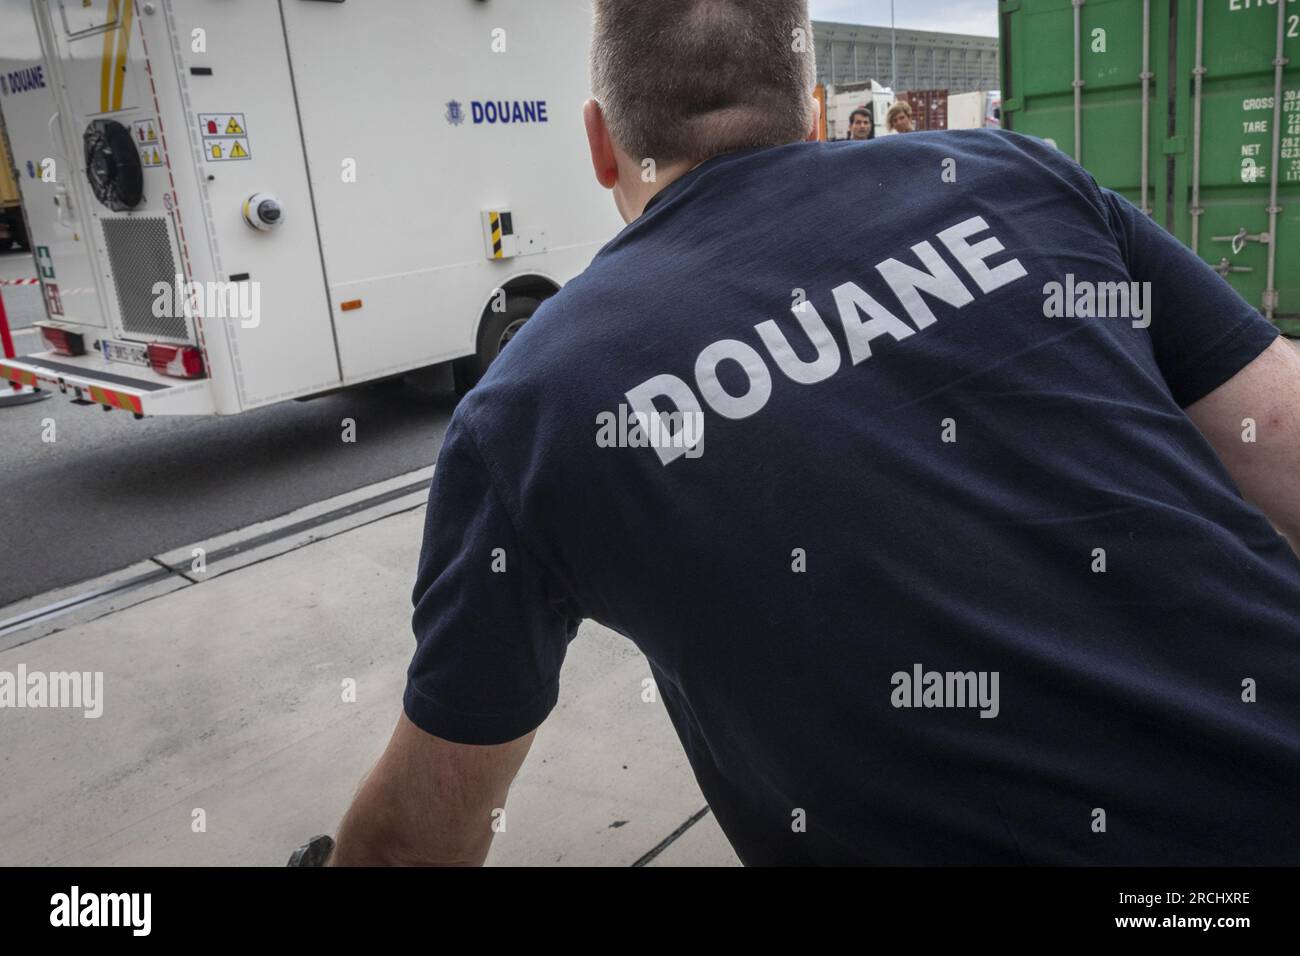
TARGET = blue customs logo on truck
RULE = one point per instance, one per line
(498, 112)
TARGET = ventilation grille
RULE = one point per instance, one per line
(140, 253)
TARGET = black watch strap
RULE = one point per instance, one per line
(315, 852)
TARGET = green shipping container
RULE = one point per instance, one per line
(1190, 108)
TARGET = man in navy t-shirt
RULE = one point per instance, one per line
(951, 533)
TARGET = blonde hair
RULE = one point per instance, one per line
(902, 106)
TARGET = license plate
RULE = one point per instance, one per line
(129, 352)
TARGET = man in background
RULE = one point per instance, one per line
(860, 126)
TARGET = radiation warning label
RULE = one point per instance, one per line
(225, 137)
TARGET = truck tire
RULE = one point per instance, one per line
(494, 334)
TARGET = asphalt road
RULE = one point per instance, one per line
(111, 491)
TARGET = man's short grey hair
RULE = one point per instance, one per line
(691, 79)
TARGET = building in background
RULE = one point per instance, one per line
(853, 53)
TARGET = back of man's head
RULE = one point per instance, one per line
(691, 79)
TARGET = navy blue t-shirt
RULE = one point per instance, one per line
(931, 567)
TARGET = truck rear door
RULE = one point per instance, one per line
(113, 156)
(47, 173)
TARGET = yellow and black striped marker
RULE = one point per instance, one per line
(494, 220)
(499, 234)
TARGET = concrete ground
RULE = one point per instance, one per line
(225, 696)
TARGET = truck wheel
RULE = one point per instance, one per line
(494, 334)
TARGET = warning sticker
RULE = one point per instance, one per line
(53, 304)
(225, 137)
(145, 134)
(222, 150)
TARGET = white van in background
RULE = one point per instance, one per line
(337, 192)
(977, 110)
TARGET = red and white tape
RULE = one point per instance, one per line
(64, 293)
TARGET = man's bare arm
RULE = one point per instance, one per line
(428, 802)
(1267, 470)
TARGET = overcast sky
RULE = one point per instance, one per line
(947, 16)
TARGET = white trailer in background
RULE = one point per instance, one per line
(841, 101)
(388, 186)
(975, 110)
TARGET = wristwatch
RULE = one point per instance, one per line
(315, 852)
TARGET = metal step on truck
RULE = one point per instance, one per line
(234, 203)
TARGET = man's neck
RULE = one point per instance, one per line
(639, 184)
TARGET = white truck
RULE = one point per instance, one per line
(977, 110)
(238, 202)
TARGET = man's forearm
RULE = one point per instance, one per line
(428, 802)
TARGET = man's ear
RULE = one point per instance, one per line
(815, 133)
(603, 160)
